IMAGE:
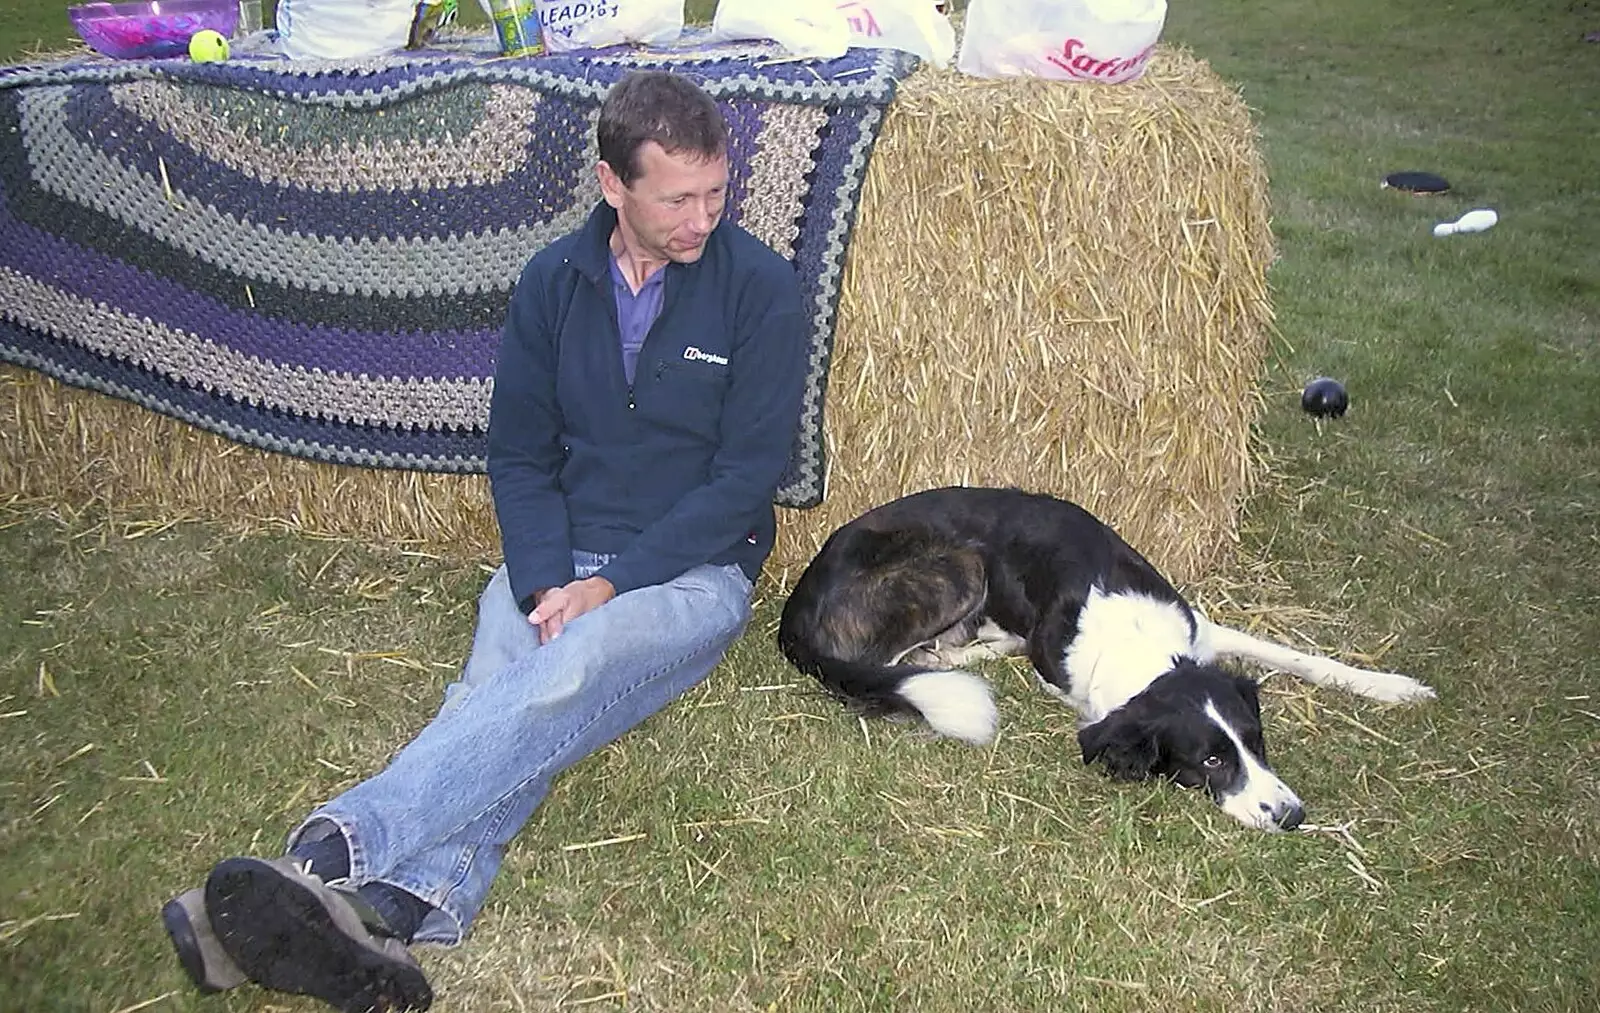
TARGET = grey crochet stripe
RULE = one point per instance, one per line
(382, 266)
(240, 434)
(482, 153)
(875, 87)
(402, 403)
(827, 297)
(243, 109)
(778, 173)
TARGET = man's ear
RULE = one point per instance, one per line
(1123, 743)
(611, 186)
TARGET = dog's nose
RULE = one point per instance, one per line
(1291, 817)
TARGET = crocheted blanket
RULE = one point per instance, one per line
(316, 258)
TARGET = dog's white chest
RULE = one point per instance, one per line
(1124, 643)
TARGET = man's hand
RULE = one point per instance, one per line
(560, 605)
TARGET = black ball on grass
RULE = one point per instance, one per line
(1324, 397)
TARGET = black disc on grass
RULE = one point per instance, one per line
(1423, 184)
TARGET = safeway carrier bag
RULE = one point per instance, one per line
(1107, 41)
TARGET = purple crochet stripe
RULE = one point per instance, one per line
(744, 127)
(86, 274)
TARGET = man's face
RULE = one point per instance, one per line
(669, 210)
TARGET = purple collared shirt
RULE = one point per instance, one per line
(636, 311)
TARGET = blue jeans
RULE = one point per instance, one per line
(436, 821)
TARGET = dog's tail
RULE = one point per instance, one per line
(954, 703)
(1386, 686)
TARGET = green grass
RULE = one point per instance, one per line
(171, 696)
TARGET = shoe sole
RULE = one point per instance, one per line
(280, 934)
(181, 931)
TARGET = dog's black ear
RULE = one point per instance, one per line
(1251, 691)
(1124, 744)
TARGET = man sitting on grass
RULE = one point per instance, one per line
(646, 394)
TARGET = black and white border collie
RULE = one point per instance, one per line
(904, 595)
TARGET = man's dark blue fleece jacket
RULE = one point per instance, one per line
(680, 468)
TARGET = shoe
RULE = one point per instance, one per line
(288, 930)
(202, 957)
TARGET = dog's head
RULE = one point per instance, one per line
(1200, 726)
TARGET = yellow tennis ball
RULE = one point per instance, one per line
(207, 46)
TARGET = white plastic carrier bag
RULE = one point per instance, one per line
(340, 29)
(916, 26)
(595, 24)
(1108, 41)
(805, 28)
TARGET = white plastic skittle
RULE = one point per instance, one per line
(1472, 221)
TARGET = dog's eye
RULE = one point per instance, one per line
(1212, 762)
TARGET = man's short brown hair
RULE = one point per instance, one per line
(654, 105)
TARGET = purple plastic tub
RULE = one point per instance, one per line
(150, 28)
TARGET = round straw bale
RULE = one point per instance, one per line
(1055, 286)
